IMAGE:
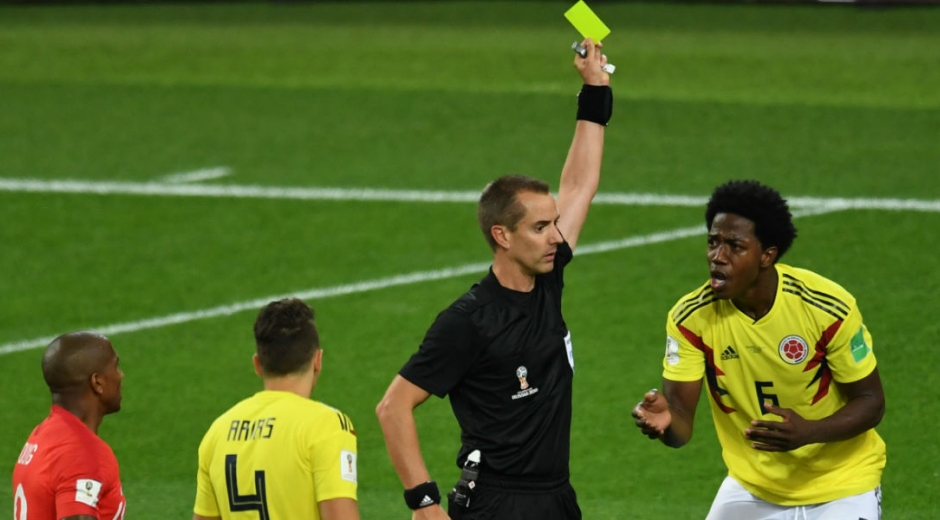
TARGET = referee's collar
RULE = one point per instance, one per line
(491, 284)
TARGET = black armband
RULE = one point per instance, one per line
(423, 495)
(595, 104)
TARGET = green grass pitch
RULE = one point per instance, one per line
(819, 101)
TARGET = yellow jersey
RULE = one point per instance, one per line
(275, 456)
(813, 336)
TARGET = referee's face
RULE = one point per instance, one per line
(536, 238)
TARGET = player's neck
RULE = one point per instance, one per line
(759, 299)
(87, 413)
(510, 275)
(301, 385)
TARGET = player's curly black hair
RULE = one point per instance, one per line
(286, 337)
(762, 205)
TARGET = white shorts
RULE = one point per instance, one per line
(733, 502)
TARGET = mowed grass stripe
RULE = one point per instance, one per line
(339, 290)
(369, 285)
(666, 52)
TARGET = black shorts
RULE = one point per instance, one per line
(504, 501)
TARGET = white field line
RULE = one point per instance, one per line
(365, 286)
(204, 174)
(232, 191)
(371, 194)
(227, 310)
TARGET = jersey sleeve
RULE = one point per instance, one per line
(334, 461)
(80, 484)
(682, 361)
(206, 503)
(850, 353)
(446, 354)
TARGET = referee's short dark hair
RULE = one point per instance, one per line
(499, 203)
(762, 205)
(286, 337)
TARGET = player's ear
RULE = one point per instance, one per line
(317, 361)
(256, 361)
(768, 256)
(96, 382)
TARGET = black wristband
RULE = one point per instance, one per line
(595, 104)
(423, 495)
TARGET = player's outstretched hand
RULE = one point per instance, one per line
(785, 435)
(652, 415)
(591, 66)
(435, 512)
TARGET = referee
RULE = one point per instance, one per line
(502, 351)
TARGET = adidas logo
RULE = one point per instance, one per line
(426, 501)
(729, 353)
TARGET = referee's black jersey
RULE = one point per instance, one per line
(504, 358)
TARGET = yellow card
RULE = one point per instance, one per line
(586, 22)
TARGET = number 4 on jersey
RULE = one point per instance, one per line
(257, 502)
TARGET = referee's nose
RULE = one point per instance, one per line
(555, 237)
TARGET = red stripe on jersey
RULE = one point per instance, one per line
(711, 371)
(823, 373)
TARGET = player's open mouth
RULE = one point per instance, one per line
(718, 280)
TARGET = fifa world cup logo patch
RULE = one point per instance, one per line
(347, 466)
(793, 349)
(522, 374)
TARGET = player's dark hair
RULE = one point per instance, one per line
(762, 205)
(499, 204)
(286, 337)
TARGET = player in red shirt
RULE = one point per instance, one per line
(65, 471)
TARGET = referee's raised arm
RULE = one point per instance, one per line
(581, 173)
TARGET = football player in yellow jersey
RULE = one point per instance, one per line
(279, 455)
(791, 378)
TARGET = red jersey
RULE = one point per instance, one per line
(66, 470)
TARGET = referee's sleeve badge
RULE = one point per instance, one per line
(569, 348)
